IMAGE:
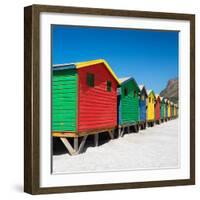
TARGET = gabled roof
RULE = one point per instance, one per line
(126, 79)
(64, 66)
(94, 62)
(151, 91)
(157, 95)
(176, 105)
(79, 65)
(163, 99)
(142, 87)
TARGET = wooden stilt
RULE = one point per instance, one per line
(119, 132)
(76, 144)
(68, 145)
(122, 132)
(111, 134)
(82, 144)
(96, 140)
(136, 128)
(128, 129)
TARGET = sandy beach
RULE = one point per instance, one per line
(153, 148)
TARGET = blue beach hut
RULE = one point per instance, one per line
(142, 106)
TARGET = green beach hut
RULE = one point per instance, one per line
(162, 109)
(128, 105)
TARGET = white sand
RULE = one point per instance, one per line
(153, 148)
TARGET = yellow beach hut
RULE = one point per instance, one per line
(169, 109)
(175, 110)
(172, 110)
(151, 107)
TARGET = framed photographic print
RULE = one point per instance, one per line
(109, 99)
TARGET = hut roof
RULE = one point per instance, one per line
(125, 79)
(157, 95)
(142, 87)
(64, 66)
(79, 65)
(163, 99)
(151, 91)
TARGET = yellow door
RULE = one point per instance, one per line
(169, 110)
(150, 109)
(174, 111)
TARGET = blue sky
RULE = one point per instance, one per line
(151, 57)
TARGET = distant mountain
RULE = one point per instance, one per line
(171, 90)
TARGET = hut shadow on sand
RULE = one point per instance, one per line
(58, 147)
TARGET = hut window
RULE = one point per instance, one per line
(135, 93)
(109, 86)
(149, 99)
(125, 91)
(142, 97)
(90, 80)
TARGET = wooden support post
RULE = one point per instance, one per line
(111, 134)
(122, 132)
(128, 129)
(82, 144)
(96, 139)
(76, 144)
(119, 131)
(67, 145)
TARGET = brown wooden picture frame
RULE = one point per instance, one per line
(32, 96)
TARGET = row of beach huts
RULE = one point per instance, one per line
(89, 99)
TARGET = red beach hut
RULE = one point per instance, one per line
(97, 96)
(157, 109)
